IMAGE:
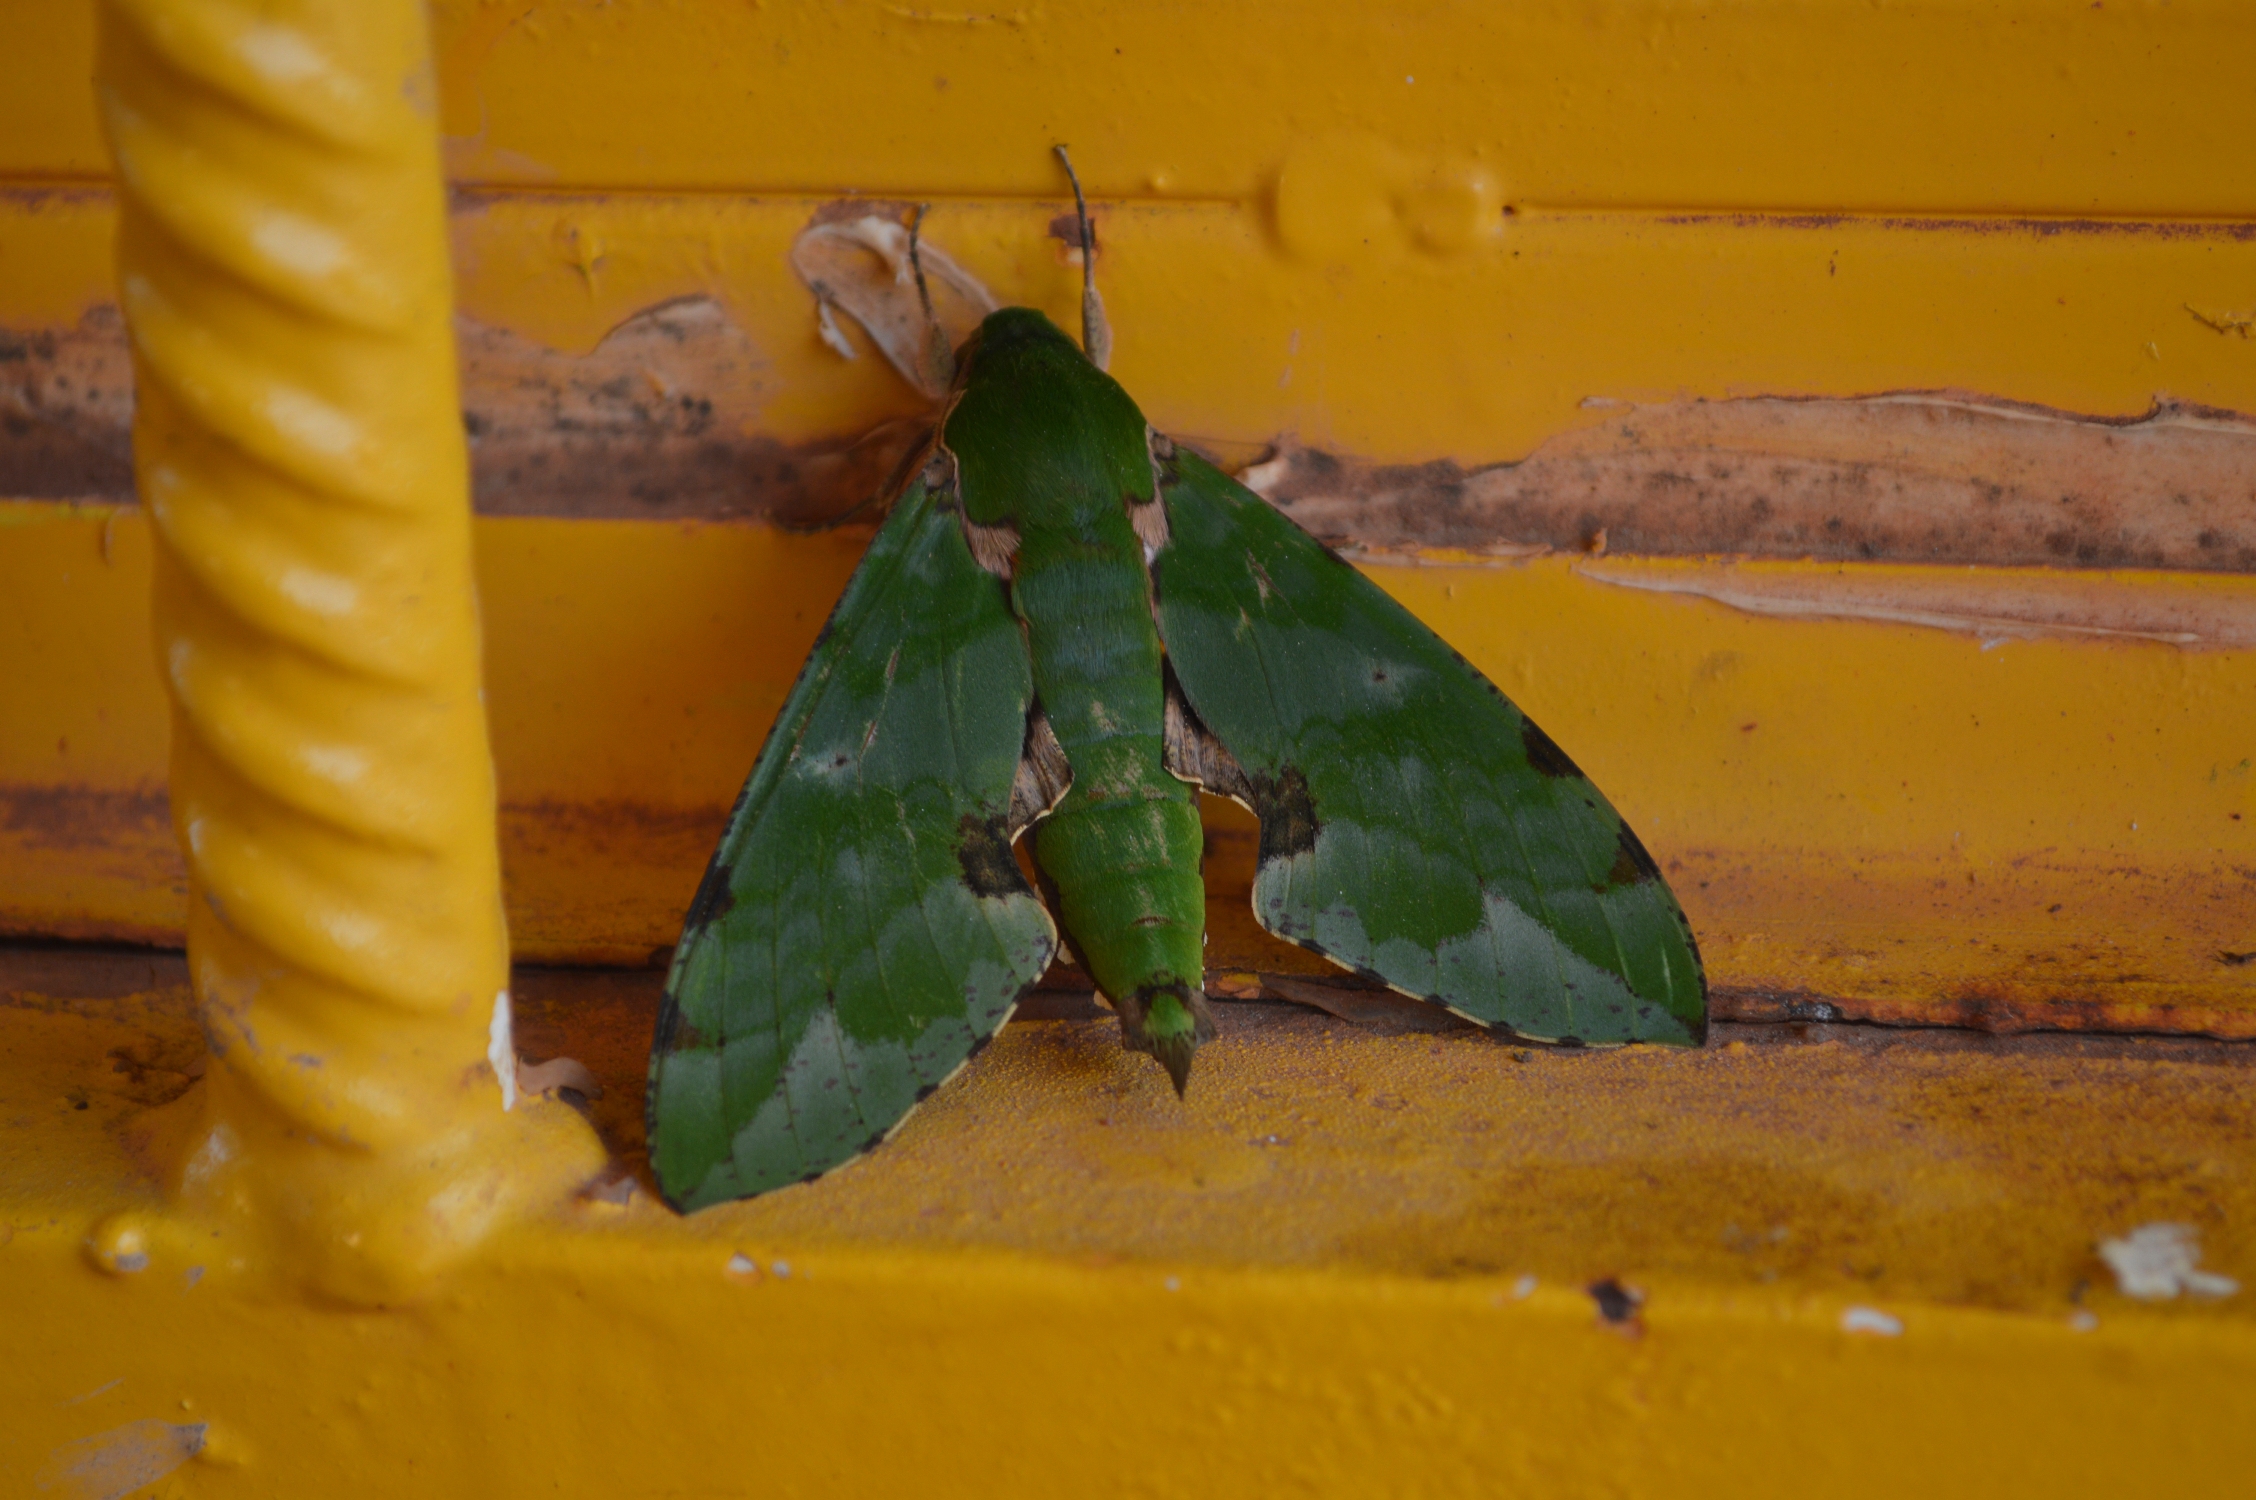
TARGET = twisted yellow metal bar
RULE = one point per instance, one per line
(282, 260)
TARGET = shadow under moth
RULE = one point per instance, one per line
(1066, 627)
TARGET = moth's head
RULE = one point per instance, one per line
(1017, 340)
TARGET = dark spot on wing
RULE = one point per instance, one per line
(1288, 817)
(983, 850)
(1616, 1303)
(1632, 865)
(1543, 752)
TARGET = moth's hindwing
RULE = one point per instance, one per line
(863, 928)
(1415, 826)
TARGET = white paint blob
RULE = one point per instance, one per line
(1862, 1319)
(501, 1050)
(2155, 1262)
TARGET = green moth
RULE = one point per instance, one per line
(1069, 625)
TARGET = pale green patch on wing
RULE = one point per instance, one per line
(1416, 827)
(863, 928)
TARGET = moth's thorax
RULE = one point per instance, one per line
(1043, 440)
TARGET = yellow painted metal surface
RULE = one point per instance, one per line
(283, 267)
(1319, 1260)
(2028, 106)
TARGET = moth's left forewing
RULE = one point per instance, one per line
(1416, 827)
(862, 929)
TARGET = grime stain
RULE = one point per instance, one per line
(113, 1464)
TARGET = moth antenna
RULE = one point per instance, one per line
(916, 258)
(1096, 332)
(939, 358)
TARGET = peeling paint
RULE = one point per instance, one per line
(557, 1073)
(113, 1464)
(1909, 476)
(616, 1192)
(1996, 604)
(2241, 323)
(661, 419)
(66, 410)
(2032, 226)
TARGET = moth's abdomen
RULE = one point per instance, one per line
(1121, 852)
(1125, 878)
